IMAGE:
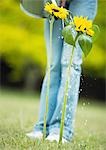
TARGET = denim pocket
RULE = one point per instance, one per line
(86, 8)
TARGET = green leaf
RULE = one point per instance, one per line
(68, 36)
(85, 43)
(96, 32)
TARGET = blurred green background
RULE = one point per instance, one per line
(22, 69)
(23, 52)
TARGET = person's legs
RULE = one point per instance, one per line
(84, 8)
(55, 74)
(72, 92)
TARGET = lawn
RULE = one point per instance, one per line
(19, 111)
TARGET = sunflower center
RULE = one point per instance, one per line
(55, 10)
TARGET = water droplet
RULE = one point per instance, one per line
(61, 112)
(65, 119)
(69, 86)
(83, 104)
(85, 123)
(68, 116)
(69, 96)
(66, 106)
(88, 103)
(80, 90)
(62, 75)
(62, 37)
(57, 118)
(69, 109)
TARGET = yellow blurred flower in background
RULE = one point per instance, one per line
(83, 25)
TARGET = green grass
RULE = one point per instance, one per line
(19, 112)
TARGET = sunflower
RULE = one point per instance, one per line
(58, 12)
(83, 25)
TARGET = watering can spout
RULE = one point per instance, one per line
(33, 8)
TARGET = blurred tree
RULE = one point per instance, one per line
(95, 65)
(22, 42)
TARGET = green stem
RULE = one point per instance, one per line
(66, 94)
(48, 81)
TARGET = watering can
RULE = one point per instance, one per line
(35, 8)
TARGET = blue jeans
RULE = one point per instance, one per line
(60, 59)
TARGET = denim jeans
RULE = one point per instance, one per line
(60, 59)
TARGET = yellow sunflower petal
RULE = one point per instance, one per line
(48, 8)
(90, 32)
(89, 24)
(83, 25)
